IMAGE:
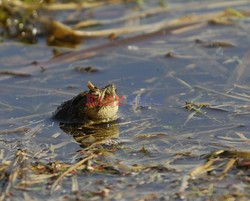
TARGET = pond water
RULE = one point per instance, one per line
(158, 141)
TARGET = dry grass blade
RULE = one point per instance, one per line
(240, 72)
(59, 145)
(242, 86)
(13, 73)
(184, 185)
(14, 170)
(208, 166)
(239, 94)
(61, 30)
(225, 4)
(230, 154)
(92, 4)
(158, 10)
(229, 165)
(63, 6)
(243, 137)
(228, 127)
(19, 120)
(181, 81)
(223, 94)
(75, 186)
(73, 167)
(214, 44)
(141, 14)
(36, 89)
(190, 28)
(190, 116)
(237, 154)
(33, 131)
(36, 179)
(15, 130)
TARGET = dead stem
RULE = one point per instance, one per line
(18, 120)
(243, 137)
(204, 168)
(229, 165)
(141, 14)
(224, 94)
(183, 187)
(181, 81)
(15, 130)
(73, 167)
(37, 89)
(240, 72)
(61, 29)
(158, 10)
(75, 186)
(14, 170)
(13, 73)
(210, 131)
(63, 6)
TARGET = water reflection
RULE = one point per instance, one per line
(92, 135)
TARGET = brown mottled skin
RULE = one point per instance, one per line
(85, 108)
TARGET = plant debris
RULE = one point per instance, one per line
(88, 69)
(214, 44)
(14, 74)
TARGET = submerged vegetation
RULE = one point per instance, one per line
(26, 21)
(182, 69)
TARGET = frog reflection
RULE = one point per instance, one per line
(107, 133)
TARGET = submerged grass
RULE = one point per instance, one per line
(26, 173)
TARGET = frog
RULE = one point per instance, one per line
(93, 106)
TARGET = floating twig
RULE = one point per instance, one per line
(13, 73)
(15, 130)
